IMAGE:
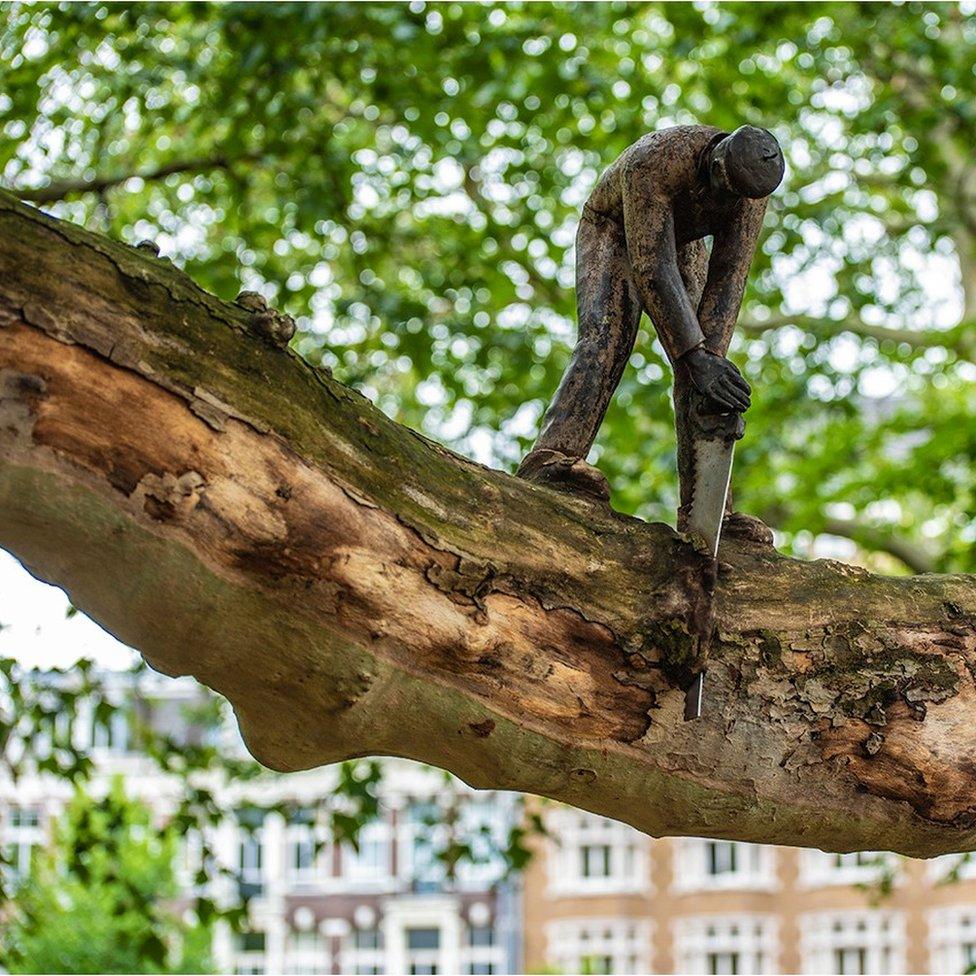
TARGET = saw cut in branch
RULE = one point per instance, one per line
(354, 588)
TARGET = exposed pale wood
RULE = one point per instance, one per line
(354, 588)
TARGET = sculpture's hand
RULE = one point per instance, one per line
(718, 380)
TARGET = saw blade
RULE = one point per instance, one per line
(713, 472)
(693, 697)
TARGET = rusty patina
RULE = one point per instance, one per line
(640, 247)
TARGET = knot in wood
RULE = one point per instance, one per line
(274, 327)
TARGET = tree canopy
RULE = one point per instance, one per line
(405, 180)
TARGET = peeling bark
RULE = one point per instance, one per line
(354, 588)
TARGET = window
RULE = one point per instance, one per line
(858, 867)
(952, 939)
(705, 865)
(853, 942)
(190, 861)
(301, 850)
(307, 858)
(952, 867)
(250, 860)
(423, 951)
(593, 945)
(721, 857)
(484, 824)
(422, 838)
(113, 735)
(22, 835)
(371, 864)
(308, 954)
(726, 945)
(481, 935)
(594, 855)
(249, 959)
(480, 956)
(595, 860)
(363, 953)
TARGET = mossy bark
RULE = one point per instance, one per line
(354, 588)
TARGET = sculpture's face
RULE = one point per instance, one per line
(747, 163)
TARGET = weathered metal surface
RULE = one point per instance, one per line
(640, 248)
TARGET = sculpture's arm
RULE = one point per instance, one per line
(649, 230)
(728, 267)
(354, 588)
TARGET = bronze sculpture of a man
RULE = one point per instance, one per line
(640, 247)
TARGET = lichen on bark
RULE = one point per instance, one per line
(354, 588)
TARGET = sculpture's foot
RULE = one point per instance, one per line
(553, 469)
(738, 525)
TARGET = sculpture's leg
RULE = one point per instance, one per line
(609, 311)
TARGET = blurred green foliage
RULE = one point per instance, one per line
(112, 846)
(101, 898)
(405, 179)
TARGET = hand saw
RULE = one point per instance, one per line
(713, 444)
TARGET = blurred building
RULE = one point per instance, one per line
(599, 897)
(315, 906)
(604, 898)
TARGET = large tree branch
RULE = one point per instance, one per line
(58, 190)
(961, 338)
(354, 588)
(915, 556)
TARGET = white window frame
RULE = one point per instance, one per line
(880, 933)
(251, 961)
(572, 831)
(319, 872)
(115, 737)
(302, 960)
(417, 841)
(938, 869)
(353, 960)
(249, 964)
(356, 871)
(752, 937)
(755, 867)
(625, 941)
(251, 875)
(951, 930)
(439, 912)
(484, 824)
(819, 868)
(491, 955)
(22, 838)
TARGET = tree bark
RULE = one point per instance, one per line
(354, 588)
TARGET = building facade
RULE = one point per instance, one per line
(315, 906)
(602, 898)
(599, 897)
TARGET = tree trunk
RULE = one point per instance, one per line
(355, 589)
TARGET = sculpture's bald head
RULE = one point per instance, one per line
(748, 163)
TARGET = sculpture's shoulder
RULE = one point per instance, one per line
(667, 158)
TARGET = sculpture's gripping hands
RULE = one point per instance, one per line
(718, 381)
